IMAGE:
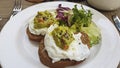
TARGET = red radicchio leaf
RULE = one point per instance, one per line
(60, 13)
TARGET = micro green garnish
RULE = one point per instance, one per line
(82, 18)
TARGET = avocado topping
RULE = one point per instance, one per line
(43, 19)
(64, 35)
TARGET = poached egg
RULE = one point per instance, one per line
(77, 50)
(41, 31)
(34, 31)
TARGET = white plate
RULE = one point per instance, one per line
(16, 51)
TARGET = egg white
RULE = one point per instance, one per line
(77, 50)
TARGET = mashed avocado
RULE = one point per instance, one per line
(93, 32)
(44, 19)
(63, 37)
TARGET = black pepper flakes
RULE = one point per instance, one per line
(79, 43)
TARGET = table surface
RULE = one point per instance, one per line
(7, 6)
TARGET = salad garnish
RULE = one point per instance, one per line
(79, 20)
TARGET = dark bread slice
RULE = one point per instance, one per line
(33, 37)
(46, 60)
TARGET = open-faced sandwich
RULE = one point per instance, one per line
(61, 47)
(38, 25)
(67, 36)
